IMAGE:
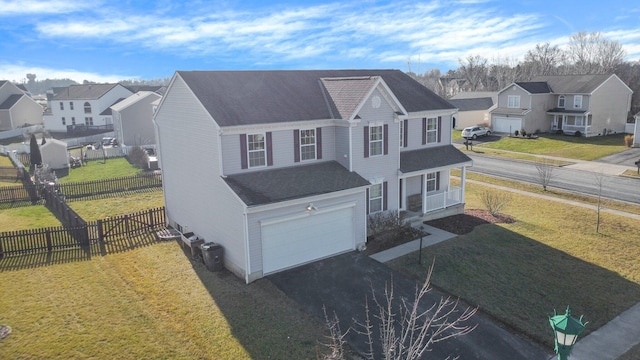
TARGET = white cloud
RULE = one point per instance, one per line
(30, 7)
(17, 73)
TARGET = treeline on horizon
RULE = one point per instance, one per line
(586, 53)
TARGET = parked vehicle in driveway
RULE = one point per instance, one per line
(473, 132)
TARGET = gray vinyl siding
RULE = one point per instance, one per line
(26, 111)
(195, 195)
(537, 119)
(342, 140)
(292, 208)
(610, 106)
(282, 147)
(383, 167)
(136, 123)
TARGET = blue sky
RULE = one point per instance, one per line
(107, 41)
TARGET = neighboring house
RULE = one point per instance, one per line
(586, 105)
(54, 153)
(17, 108)
(284, 167)
(133, 119)
(474, 108)
(83, 106)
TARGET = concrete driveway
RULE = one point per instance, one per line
(626, 158)
(342, 283)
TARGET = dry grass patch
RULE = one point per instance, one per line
(26, 217)
(148, 303)
(91, 210)
(549, 258)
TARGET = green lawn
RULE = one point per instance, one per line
(26, 217)
(152, 303)
(5, 161)
(572, 147)
(98, 170)
(549, 258)
(92, 210)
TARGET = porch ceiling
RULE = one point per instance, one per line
(432, 158)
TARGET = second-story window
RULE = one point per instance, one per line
(61, 105)
(70, 105)
(87, 108)
(64, 121)
(375, 140)
(513, 101)
(561, 101)
(432, 130)
(73, 120)
(88, 121)
(308, 144)
(577, 101)
(256, 150)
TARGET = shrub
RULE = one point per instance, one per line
(577, 134)
(387, 221)
(628, 140)
(516, 133)
(495, 201)
(138, 157)
(523, 132)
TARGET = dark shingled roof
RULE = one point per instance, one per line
(108, 111)
(535, 87)
(258, 97)
(472, 104)
(11, 100)
(275, 185)
(431, 158)
(566, 111)
(84, 92)
(573, 84)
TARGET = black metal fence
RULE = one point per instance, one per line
(107, 235)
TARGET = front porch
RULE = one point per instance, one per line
(571, 122)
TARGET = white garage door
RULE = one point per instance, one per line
(294, 242)
(506, 124)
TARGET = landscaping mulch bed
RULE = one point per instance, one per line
(465, 223)
(457, 224)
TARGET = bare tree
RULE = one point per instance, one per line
(495, 201)
(407, 330)
(502, 72)
(592, 53)
(599, 180)
(474, 70)
(545, 172)
(543, 60)
(336, 342)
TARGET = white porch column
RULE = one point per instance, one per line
(463, 182)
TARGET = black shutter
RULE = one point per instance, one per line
(438, 181)
(319, 143)
(406, 133)
(439, 128)
(296, 145)
(367, 203)
(384, 196)
(424, 131)
(243, 151)
(269, 149)
(366, 142)
(385, 135)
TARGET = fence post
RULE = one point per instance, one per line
(1, 251)
(151, 220)
(49, 245)
(101, 243)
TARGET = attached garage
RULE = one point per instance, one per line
(291, 241)
(506, 124)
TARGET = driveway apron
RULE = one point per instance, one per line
(342, 283)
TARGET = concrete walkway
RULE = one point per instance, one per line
(606, 343)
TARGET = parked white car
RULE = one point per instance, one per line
(474, 131)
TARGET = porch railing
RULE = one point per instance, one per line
(444, 199)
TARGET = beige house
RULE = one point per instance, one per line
(17, 109)
(581, 105)
(474, 108)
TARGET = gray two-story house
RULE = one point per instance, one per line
(284, 167)
(585, 105)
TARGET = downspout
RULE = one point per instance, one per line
(350, 147)
(246, 244)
